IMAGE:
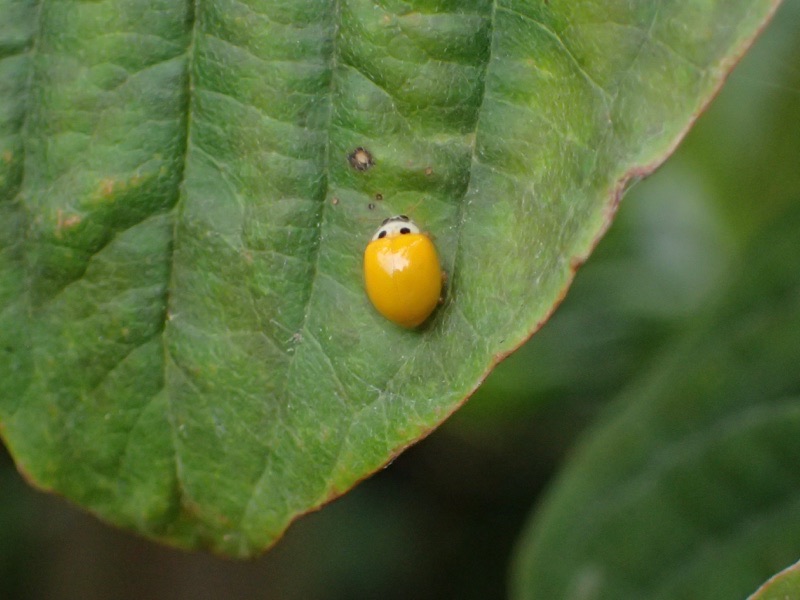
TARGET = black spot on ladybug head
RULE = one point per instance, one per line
(394, 226)
(361, 159)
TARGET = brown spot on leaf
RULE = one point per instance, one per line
(63, 222)
(361, 159)
(71, 221)
(107, 187)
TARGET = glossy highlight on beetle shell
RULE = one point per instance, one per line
(402, 273)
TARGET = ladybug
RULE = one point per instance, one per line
(402, 273)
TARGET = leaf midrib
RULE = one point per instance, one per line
(180, 490)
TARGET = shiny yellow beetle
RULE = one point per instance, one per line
(402, 272)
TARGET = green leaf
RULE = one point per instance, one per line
(186, 347)
(689, 487)
(782, 586)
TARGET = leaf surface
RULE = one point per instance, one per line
(186, 347)
(688, 487)
(782, 586)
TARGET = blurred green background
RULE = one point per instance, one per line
(442, 520)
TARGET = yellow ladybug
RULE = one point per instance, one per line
(402, 273)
